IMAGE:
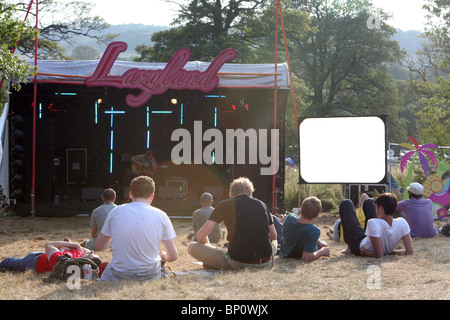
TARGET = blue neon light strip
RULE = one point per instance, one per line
(112, 140)
(112, 116)
(96, 113)
(114, 112)
(162, 112)
(148, 117)
(181, 116)
(40, 110)
(214, 96)
(148, 139)
(67, 93)
(111, 162)
(215, 117)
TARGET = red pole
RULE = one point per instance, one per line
(33, 177)
(274, 142)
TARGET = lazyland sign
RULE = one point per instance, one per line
(155, 82)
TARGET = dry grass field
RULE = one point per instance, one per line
(423, 276)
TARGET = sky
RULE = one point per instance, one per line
(407, 14)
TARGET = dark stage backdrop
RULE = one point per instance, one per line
(82, 143)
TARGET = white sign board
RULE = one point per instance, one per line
(343, 150)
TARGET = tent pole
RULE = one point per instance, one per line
(33, 177)
(275, 102)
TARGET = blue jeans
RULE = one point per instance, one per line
(20, 264)
(353, 233)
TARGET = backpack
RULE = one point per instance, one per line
(60, 272)
(445, 230)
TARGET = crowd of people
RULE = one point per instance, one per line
(142, 236)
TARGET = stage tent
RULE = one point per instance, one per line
(54, 75)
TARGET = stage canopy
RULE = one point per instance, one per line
(230, 75)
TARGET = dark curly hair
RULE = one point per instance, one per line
(388, 201)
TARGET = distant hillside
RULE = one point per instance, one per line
(408, 40)
(132, 34)
(136, 34)
(411, 42)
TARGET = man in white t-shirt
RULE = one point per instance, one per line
(136, 232)
(382, 234)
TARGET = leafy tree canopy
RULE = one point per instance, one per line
(12, 69)
(60, 22)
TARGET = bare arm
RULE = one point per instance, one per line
(377, 248)
(407, 242)
(171, 253)
(102, 242)
(272, 232)
(208, 227)
(310, 256)
(94, 232)
(52, 247)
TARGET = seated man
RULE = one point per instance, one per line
(41, 262)
(200, 216)
(418, 212)
(136, 231)
(301, 236)
(99, 215)
(251, 233)
(383, 232)
(143, 164)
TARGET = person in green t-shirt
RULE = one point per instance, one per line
(301, 236)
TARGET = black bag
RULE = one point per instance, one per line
(445, 230)
(59, 271)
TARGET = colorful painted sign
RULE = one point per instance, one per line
(155, 82)
(436, 186)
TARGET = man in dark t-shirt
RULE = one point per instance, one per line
(251, 232)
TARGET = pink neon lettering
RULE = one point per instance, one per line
(151, 82)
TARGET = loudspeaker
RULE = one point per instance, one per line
(91, 193)
(170, 192)
(76, 165)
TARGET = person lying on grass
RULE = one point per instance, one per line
(383, 233)
(41, 262)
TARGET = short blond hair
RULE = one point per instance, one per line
(142, 187)
(240, 186)
(311, 208)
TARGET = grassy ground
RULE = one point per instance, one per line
(425, 275)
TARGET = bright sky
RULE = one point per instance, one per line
(407, 14)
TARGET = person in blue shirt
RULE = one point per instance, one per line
(301, 236)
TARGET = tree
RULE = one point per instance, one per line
(12, 68)
(342, 60)
(61, 22)
(205, 27)
(85, 53)
(432, 69)
(434, 119)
